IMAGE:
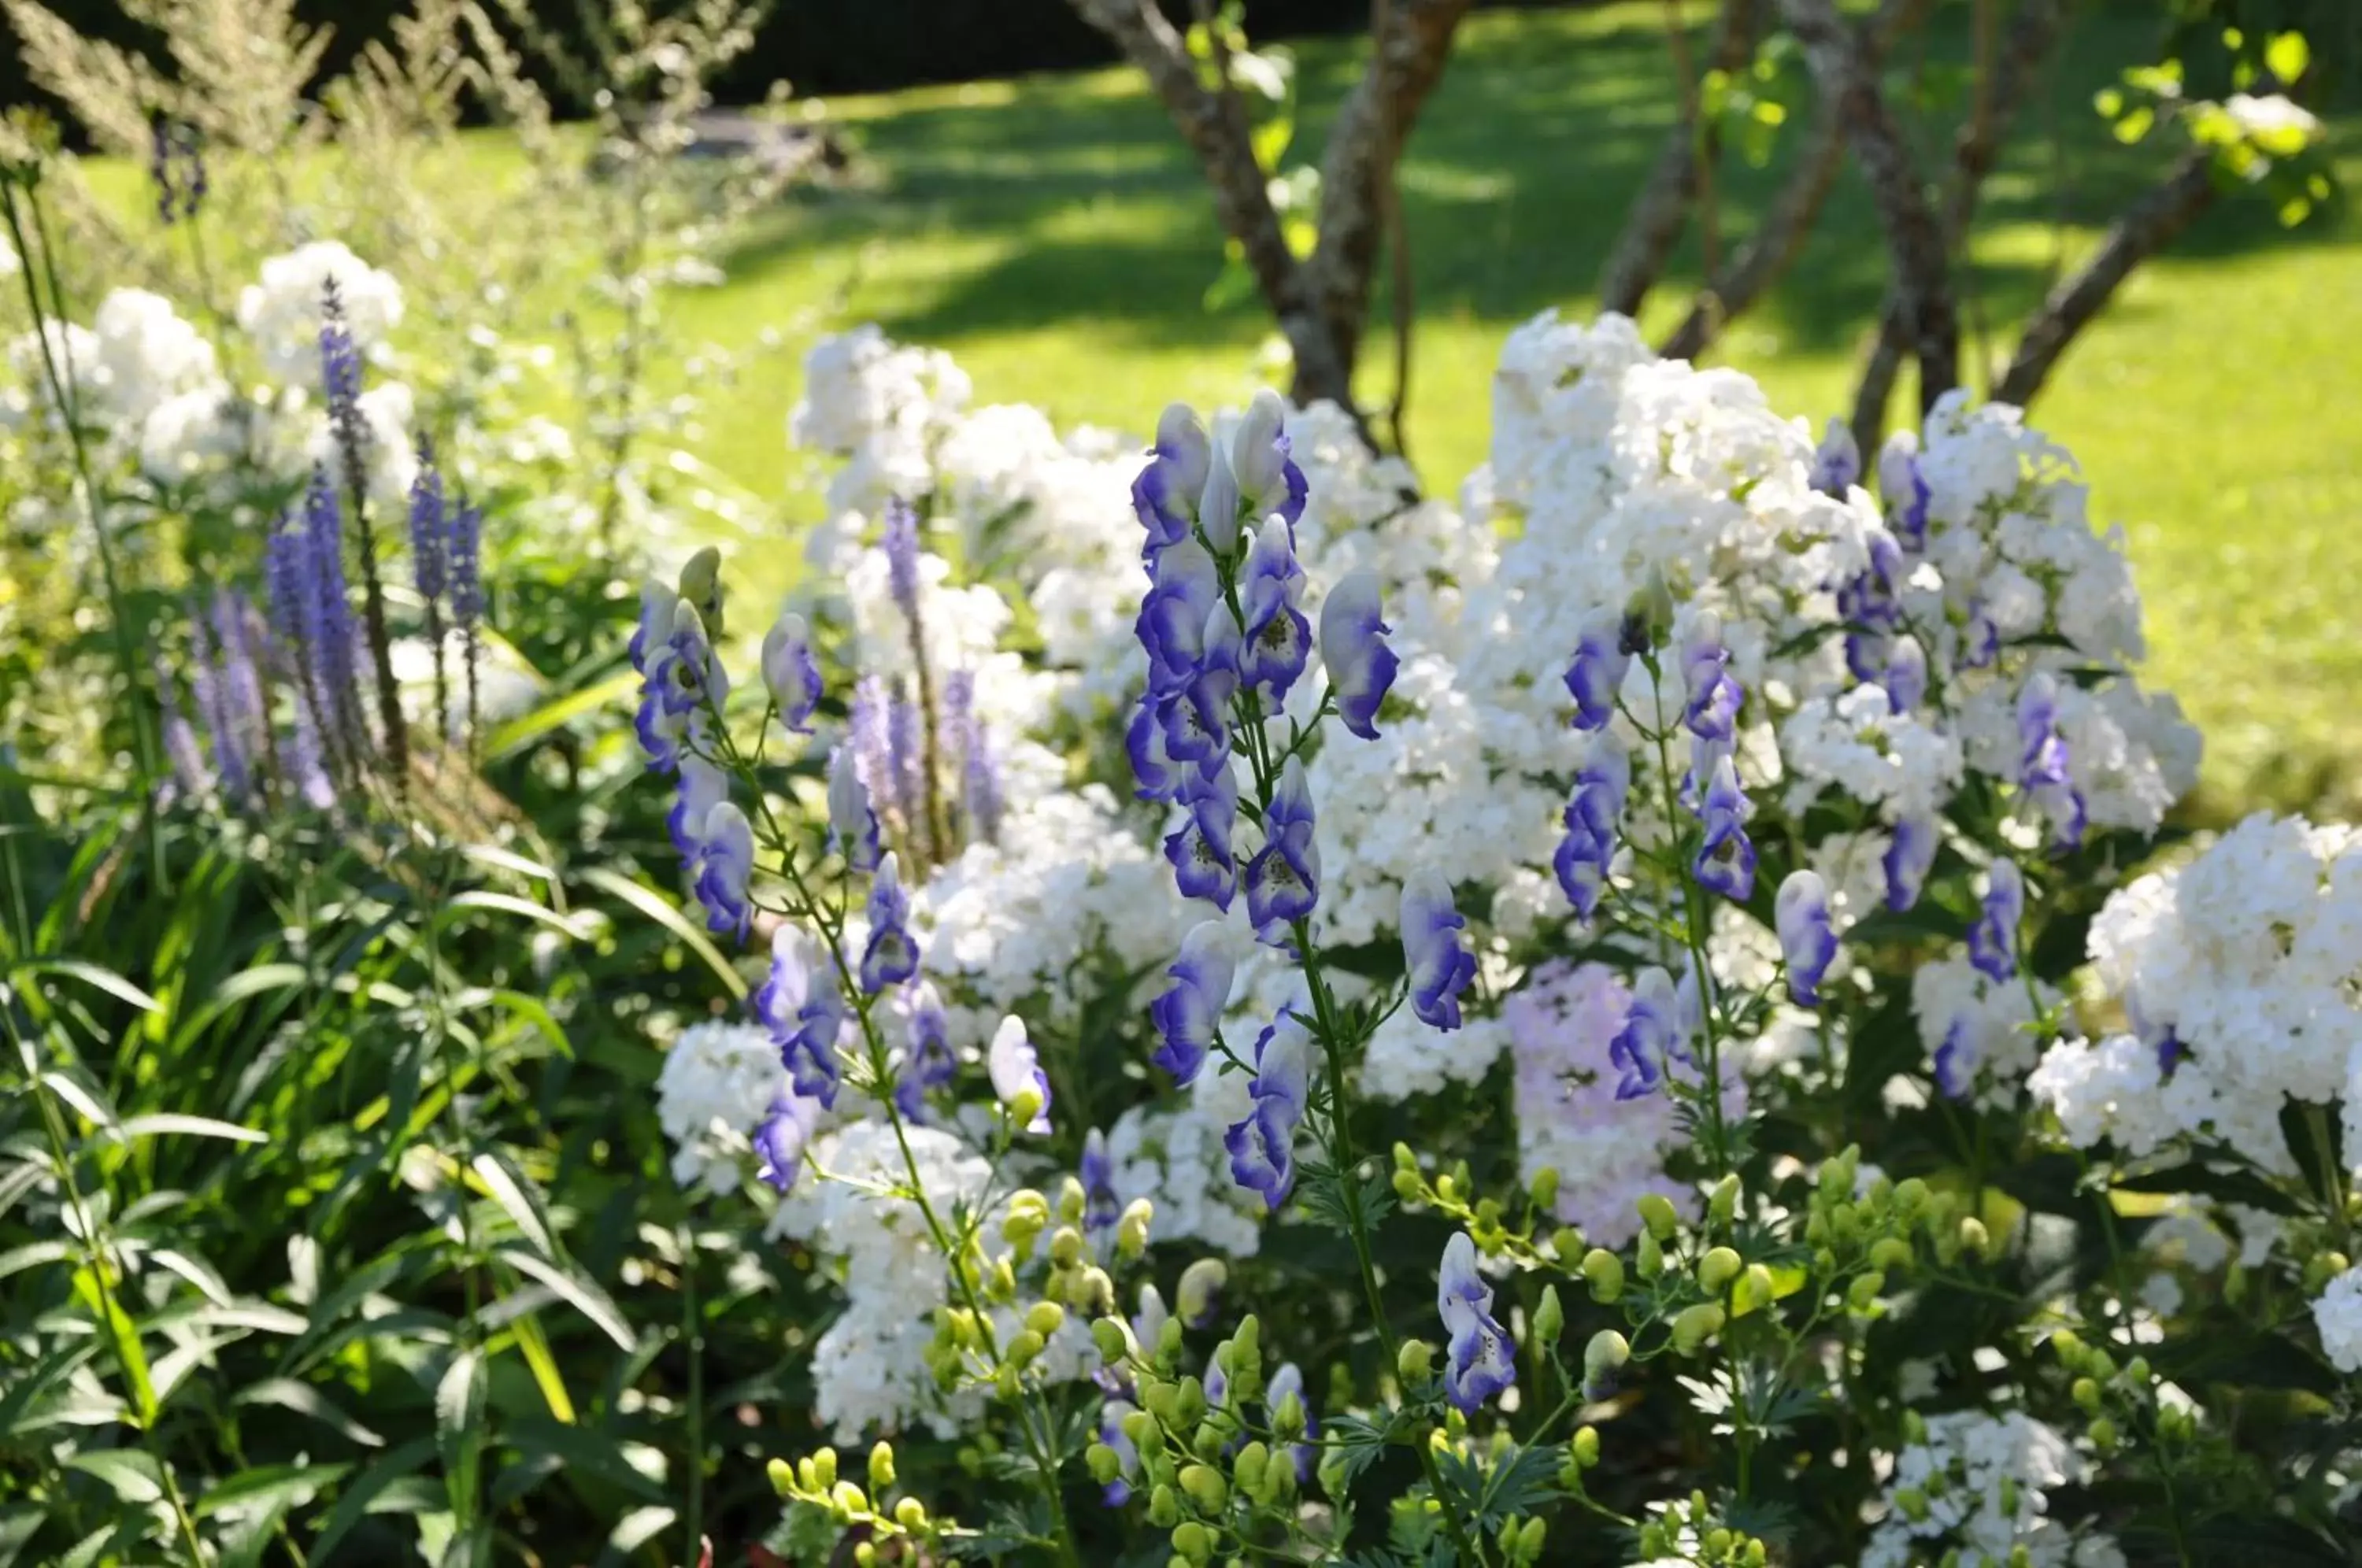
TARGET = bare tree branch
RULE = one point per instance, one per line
(1761, 262)
(1914, 238)
(2147, 226)
(1976, 149)
(1661, 207)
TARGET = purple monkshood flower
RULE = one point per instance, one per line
(932, 1061)
(1979, 638)
(1726, 858)
(1712, 710)
(1809, 941)
(1016, 1071)
(851, 824)
(1588, 849)
(657, 601)
(1200, 849)
(1906, 675)
(1254, 477)
(1956, 1061)
(700, 787)
(1437, 964)
(1871, 605)
(778, 1002)
(1283, 877)
(2043, 761)
(1481, 1362)
(1596, 676)
(810, 1055)
(1164, 496)
(902, 546)
(693, 680)
(1196, 715)
(1170, 626)
(1262, 1145)
(891, 956)
(1651, 1035)
(1904, 490)
(1144, 741)
(1836, 462)
(1992, 938)
(1188, 1010)
(1100, 1208)
(779, 1141)
(2170, 1053)
(1353, 651)
(789, 672)
(725, 860)
(1277, 639)
(1118, 1491)
(1909, 856)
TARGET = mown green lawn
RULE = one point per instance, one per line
(1053, 233)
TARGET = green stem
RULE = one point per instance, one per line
(1695, 922)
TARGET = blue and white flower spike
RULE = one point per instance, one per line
(1276, 640)
(1196, 715)
(1263, 478)
(891, 956)
(1189, 1010)
(1262, 1145)
(780, 999)
(930, 1060)
(2043, 758)
(1726, 858)
(1992, 938)
(851, 824)
(1904, 490)
(1481, 1362)
(1100, 1208)
(1652, 1034)
(1836, 462)
(1438, 965)
(725, 862)
(789, 673)
(1118, 1491)
(1596, 676)
(1203, 864)
(658, 600)
(1286, 1382)
(1910, 855)
(1165, 497)
(1018, 1079)
(1715, 695)
(1354, 650)
(1587, 851)
(1283, 877)
(779, 1141)
(1808, 940)
(900, 539)
(700, 787)
(1183, 591)
(1906, 675)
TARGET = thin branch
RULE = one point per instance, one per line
(1765, 258)
(1684, 163)
(1397, 233)
(1914, 237)
(2147, 226)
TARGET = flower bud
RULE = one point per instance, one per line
(1414, 1363)
(1648, 1256)
(1606, 1352)
(1722, 1203)
(1247, 1469)
(1530, 1541)
(881, 1466)
(911, 1514)
(1567, 1242)
(1550, 1317)
(1605, 1271)
(1141, 1427)
(849, 1498)
(1189, 1402)
(1024, 1347)
(1205, 1488)
(1406, 1184)
(1974, 1239)
(1717, 1268)
(1404, 1159)
(1755, 1290)
(700, 587)
(1890, 1253)
(1113, 1340)
(1910, 1197)
(1193, 1542)
(1131, 1229)
(824, 1463)
(1163, 1508)
(1657, 1213)
(1287, 1420)
(1104, 1462)
(1862, 1294)
(2104, 1434)
(782, 1476)
(1544, 1190)
(1045, 1318)
(1585, 1446)
(1090, 1290)
(2086, 1394)
(1693, 1326)
(1200, 1284)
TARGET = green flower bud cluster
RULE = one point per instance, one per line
(1688, 1528)
(814, 1482)
(2131, 1396)
(1452, 1194)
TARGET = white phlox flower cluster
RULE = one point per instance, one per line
(717, 1081)
(1980, 1485)
(2237, 975)
(280, 313)
(2337, 1316)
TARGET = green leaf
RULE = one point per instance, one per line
(660, 908)
(295, 1484)
(85, 1102)
(583, 1295)
(288, 1394)
(549, 1447)
(460, 1429)
(509, 903)
(376, 1490)
(522, 730)
(135, 1475)
(509, 1188)
(241, 987)
(536, 1014)
(159, 1123)
(33, 1255)
(123, 1335)
(93, 975)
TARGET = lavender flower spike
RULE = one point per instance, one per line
(1190, 1008)
(1726, 860)
(1017, 1076)
(1480, 1363)
(1800, 912)
(789, 673)
(1438, 965)
(1354, 650)
(902, 546)
(852, 825)
(1596, 676)
(1993, 939)
(1262, 1145)
(725, 862)
(892, 955)
(1284, 878)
